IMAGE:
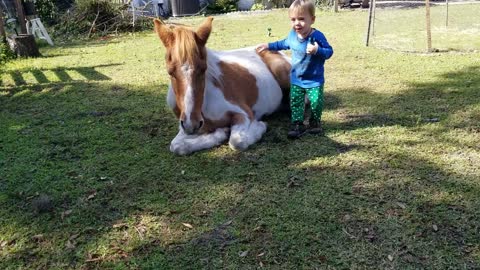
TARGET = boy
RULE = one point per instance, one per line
(310, 49)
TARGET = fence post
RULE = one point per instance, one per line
(370, 14)
(429, 31)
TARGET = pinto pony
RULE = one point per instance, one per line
(219, 95)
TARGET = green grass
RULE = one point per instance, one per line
(394, 184)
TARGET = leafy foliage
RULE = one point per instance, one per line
(89, 18)
(223, 6)
(50, 10)
(5, 53)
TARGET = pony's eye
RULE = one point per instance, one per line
(201, 67)
(171, 71)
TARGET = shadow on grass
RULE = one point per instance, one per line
(100, 153)
(88, 73)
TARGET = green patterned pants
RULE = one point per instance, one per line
(297, 102)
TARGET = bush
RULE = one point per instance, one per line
(223, 6)
(5, 53)
(89, 18)
(50, 10)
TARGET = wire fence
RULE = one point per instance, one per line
(402, 25)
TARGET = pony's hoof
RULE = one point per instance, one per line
(221, 134)
(237, 143)
(180, 150)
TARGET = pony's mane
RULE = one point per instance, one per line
(185, 48)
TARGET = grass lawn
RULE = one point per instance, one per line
(87, 180)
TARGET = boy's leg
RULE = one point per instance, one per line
(297, 106)
(297, 103)
(315, 95)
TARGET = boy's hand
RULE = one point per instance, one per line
(312, 48)
(262, 47)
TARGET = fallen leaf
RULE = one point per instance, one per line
(401, 205)
(243, 253)
(38, 237)
(261, 264)
(261, 254)
(188, 225)
(95, 259)
(69, 245)
(390, 257)
(91, 196)
(120, 225)
(435, 227)
(65, 214)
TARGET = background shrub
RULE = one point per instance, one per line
(5, 53)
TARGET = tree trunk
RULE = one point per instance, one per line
(21, 16)
(2, 27)
(24, 46)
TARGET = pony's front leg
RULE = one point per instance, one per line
(184, 144)
(245, 132)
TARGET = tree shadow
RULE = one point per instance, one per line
(88, 73)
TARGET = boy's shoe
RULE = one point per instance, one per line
(297, 129)
(315, 127)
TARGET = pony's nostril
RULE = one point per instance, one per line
(181, 124)
(201, 124)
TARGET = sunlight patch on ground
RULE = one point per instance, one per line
(441, 196)
(463, 162)
(22, 93)
(17, 127)
(126, 236)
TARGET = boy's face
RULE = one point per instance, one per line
(301, 22)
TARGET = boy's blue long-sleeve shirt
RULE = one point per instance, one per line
(307, 70)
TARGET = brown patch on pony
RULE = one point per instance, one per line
(241, 87)
(278, 66)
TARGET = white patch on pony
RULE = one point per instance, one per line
(171, 101)
(188, 99)
(184, 144)
(246, 134)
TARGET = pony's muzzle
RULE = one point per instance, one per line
(191, 128)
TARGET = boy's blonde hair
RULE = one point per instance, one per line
(302, 6)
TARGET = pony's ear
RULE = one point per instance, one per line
(164, 33)
(203, 31)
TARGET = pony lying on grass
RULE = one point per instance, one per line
(219, 95)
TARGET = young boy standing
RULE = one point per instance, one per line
(309, 49)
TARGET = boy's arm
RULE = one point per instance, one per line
(273, 46)
(279, 45)
(324, 48)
